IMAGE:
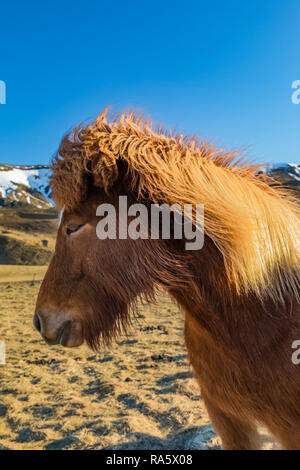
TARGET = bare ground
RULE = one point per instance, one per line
(140, 394)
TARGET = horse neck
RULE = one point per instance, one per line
(221, 314)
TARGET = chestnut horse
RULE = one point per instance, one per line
(239, 293)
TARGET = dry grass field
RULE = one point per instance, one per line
(139, 394)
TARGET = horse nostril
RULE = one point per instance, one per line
(37, 322)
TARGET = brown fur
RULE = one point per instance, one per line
(240, 293)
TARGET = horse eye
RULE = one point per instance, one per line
(72, 228)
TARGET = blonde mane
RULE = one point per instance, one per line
(254, 224)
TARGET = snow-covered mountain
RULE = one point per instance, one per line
(25, 185)
(287, 173)
(290, 170)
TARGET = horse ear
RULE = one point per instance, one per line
(104, 170)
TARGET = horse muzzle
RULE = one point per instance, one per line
(60, 329)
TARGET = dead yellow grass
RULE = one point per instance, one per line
(140, 394)
(11, 273)
(30, 238)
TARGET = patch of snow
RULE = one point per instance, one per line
(297, 178)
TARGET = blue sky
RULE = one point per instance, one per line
(220, 69)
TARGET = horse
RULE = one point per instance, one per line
(239, 293)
